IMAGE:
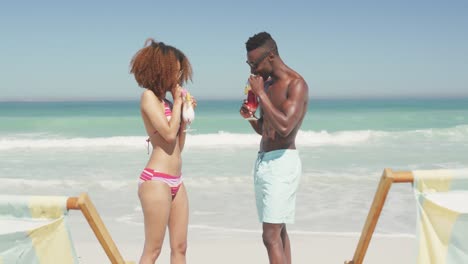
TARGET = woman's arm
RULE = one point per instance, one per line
(183, 128)
(182, 135)
(153, 108)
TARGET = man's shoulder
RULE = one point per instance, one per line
(295, 78)
(298, 82)
(297, 87)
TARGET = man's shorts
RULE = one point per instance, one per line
(276, 179)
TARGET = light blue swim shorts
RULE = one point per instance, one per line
(276, 179)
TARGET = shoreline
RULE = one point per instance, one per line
(248, 248)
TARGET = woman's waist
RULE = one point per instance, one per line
(166, 152)
(149, 174)
(170, 164)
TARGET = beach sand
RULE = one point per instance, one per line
(248, 248)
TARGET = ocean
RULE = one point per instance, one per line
(65, 148)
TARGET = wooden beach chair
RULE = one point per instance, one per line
(47, 239)
(442, 215)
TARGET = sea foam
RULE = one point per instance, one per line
(232, 140)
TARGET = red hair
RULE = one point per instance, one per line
(155, 67)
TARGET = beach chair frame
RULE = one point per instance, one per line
(86, 206)
(388, 177)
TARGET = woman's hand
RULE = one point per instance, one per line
(194, 102)
(177, 95)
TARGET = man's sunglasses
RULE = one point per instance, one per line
(255, 63)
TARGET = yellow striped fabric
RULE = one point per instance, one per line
(442, 213)
(34, 230)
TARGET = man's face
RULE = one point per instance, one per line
(257, 60)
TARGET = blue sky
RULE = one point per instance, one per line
(75, 50)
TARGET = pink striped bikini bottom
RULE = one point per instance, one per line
(174, 182)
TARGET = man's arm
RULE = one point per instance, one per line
(256, 124)
(285, 119)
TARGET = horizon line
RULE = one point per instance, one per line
(331, 98)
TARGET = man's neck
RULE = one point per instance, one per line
(280, 72)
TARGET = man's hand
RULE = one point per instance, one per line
(256, 84)
(245, 110)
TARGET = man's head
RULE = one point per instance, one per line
(259, 47)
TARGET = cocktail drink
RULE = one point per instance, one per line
(252, 101)
(188, 113)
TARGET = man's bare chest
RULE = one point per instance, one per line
(276, 94)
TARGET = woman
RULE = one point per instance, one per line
(160, 68)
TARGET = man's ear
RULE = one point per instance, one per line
(271, 56)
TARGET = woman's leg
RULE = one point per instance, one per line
(178, 225)
(155, 198)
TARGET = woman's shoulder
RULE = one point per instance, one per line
(149, 100)
(148, 95)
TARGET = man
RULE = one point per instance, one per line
(283, 97)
